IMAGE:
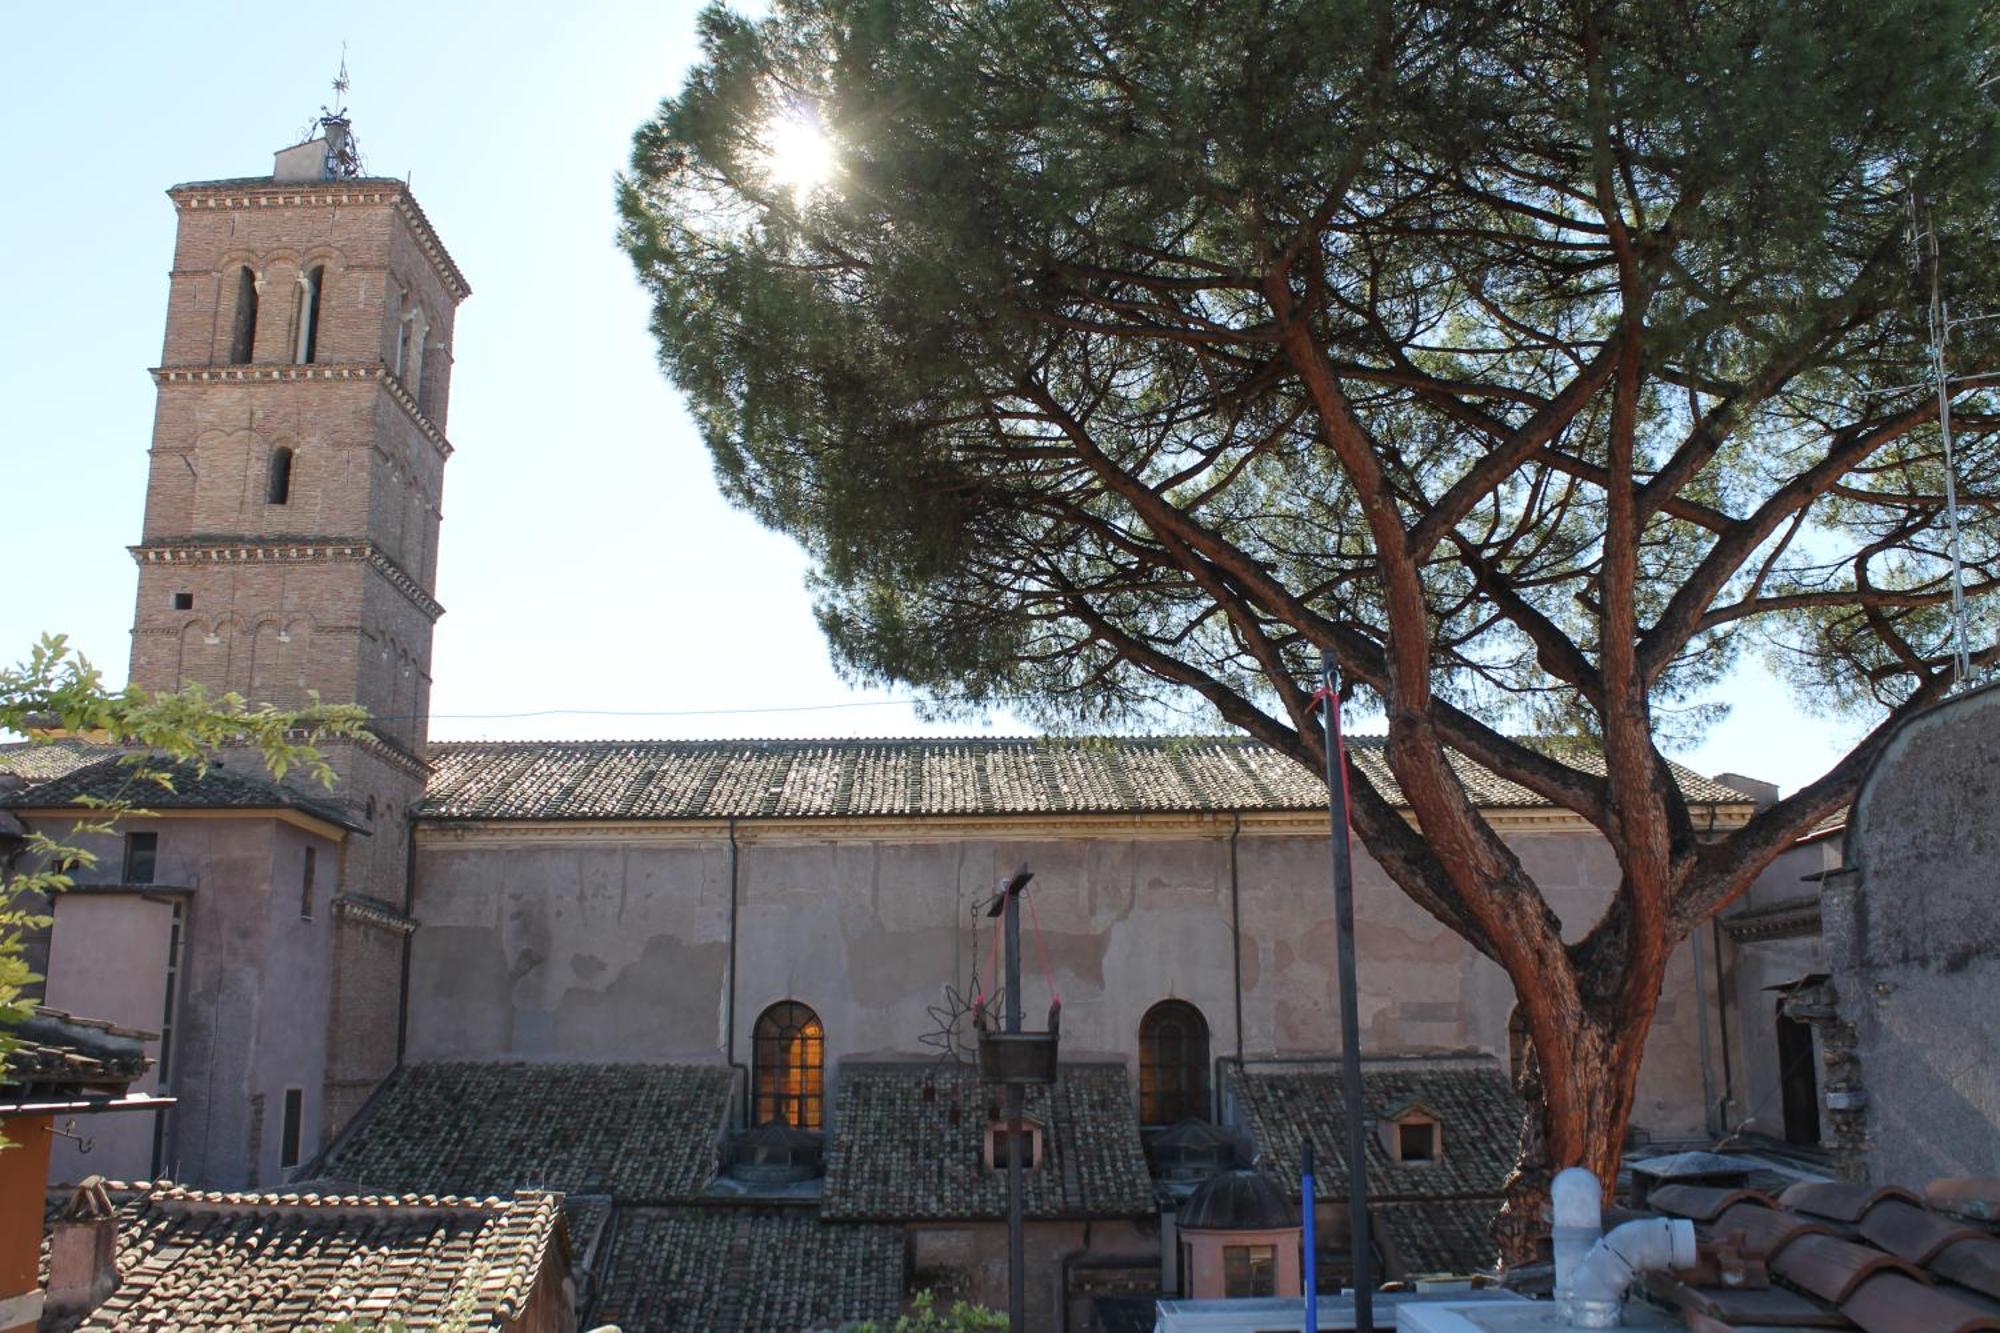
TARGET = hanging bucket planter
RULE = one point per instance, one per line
(1019, 1057)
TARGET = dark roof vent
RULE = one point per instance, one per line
(777, 1154)
(1192, 1150)
(1244, 1200)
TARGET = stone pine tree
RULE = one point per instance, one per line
(1544, 359)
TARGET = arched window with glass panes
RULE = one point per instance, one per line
(788, 1067)
(1173, 1064)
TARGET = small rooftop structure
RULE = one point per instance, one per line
(1192, 1151)
(1239, 1200)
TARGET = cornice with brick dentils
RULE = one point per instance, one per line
(261, 192)
(290, 552)
(360, 370)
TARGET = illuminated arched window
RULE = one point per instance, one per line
(1173, 1063)
(787, 1073)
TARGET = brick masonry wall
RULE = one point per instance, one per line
(327, 591)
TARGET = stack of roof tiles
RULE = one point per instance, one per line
(1435, 1213)
(911, 1146)
(58, 1054)
(1844, 1256)
(780, 779)
(189, 1259)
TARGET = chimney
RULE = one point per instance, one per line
(83, 1251)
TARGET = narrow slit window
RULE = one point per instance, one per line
(243, 332)
(295, 1116)
(306, 884)
(311, 284)
(278, 489)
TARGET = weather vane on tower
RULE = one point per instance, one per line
(343, 153)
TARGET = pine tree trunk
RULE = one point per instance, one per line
(1578, 1082)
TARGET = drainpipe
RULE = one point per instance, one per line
(1063, 1277)
(1595, 1269)
(1236, 941)
(1708, 1102)
(729, 996)
(1722, 1026)
(409, 902)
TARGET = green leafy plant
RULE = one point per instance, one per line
(923, 1316)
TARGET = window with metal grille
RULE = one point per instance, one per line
(1249, 1270)
(1173, 1063)
(788, 1067)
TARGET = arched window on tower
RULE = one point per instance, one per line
(312, 283)
(1173, 1063)
(243, 331)
(788, 1067)
(278, 487)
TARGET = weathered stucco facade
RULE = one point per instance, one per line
(1914, 942)
(579, 941)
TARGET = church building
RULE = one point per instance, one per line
(716, 991)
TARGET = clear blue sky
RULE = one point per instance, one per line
(587, 560)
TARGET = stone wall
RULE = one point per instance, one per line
(1913, 936)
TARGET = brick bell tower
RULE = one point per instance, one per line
(292, 507)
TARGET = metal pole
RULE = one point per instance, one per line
(1017, 1268)
(1350, 1018)
(1310, 1277)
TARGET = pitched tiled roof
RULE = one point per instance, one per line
(975, 776)
(40, 761)
(690, 1270)
(640, 1133)
(1280, 1106)
(53, 1050)
(1878, 1257)
(190, 786)
(897, 1155)
(279, 1261)
(1438, 1235)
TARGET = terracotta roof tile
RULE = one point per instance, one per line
(1703, 1203)
(942, 778)
(43, 761)
(640, 1133)
(1894, 1303)
(897, 1156)
(55, 1050)
(732, 1270)
(273, 1260)
(1282, 1105)
(191, 786)
(1842, 1255)
(1452, 1236)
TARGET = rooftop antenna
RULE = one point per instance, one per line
(343, 153)
(1924, 241)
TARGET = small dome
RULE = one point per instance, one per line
(1238, 1201)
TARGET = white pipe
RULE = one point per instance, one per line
(1594, 1272)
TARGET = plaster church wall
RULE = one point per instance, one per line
(579, 944)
